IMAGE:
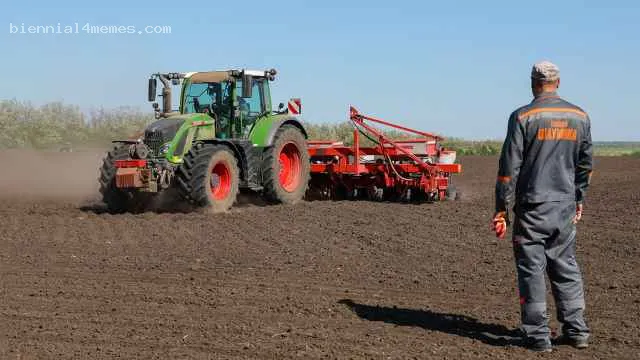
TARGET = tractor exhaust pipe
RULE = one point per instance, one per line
(166, 94)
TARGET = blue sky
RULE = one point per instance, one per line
(457, 68)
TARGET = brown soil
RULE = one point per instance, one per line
(341, 280)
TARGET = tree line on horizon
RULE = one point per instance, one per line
(56, 124)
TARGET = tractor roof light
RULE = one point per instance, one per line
(175, 75)
(271, 74)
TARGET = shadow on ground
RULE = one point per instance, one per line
(169, 202)
(491, 334)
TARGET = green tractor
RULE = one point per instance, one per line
(223, 138)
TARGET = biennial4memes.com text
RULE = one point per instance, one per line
(87, 28)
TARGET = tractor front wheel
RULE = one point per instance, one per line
(286, 167)
(209, 177)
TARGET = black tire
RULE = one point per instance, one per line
(119, 201)
(290, 140)
(194, 177)
(452, 193)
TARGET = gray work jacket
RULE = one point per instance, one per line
(546, 155)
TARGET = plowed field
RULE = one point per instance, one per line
(336, 280)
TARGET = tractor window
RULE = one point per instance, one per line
(251, 107)
(206, 97)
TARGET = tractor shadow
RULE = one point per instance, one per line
(248, 199)
(454, 324)
(94, 208)
(98, 208)
(169, 202)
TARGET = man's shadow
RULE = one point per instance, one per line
(492, 334)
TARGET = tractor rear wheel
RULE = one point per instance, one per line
(119, 201)
(286, 167)
(209, 177)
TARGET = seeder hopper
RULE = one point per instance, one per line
(416, 169)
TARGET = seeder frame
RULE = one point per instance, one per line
(403, 168)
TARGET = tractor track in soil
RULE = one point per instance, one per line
(357, 280)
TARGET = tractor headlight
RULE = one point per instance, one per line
(164, 148)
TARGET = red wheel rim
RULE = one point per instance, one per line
(290, 166)
(220, 181)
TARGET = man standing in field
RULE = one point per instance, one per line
(544, 171)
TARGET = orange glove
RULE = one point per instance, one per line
(578, 216)
(499, 224)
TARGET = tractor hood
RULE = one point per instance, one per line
(162, 131)
(171, 124)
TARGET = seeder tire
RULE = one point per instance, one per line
(286, 167)
(452, 193)
(209, 177)
(117, 200)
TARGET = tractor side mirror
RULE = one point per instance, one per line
(247, 86)
(153, 85)
(280, 106)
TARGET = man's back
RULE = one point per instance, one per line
(556, 134)
(547, 152)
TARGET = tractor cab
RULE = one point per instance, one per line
(233, 99)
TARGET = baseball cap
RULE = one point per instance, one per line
(545, 71)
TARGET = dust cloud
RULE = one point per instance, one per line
(50, 174)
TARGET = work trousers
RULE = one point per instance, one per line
(544, 239)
